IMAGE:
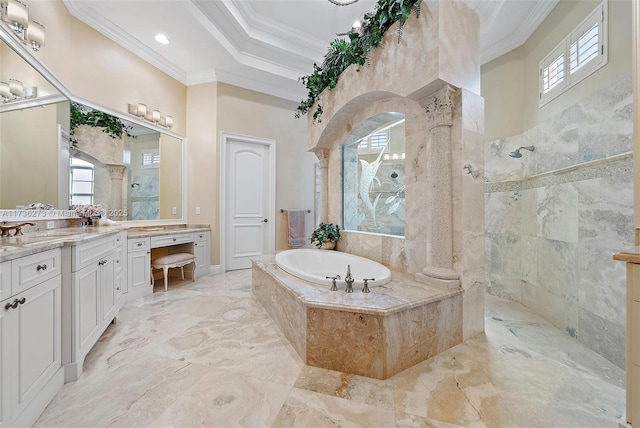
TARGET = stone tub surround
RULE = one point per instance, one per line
(376, 335)
(556, 216)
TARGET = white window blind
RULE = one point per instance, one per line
(151, 159)
(579, 55)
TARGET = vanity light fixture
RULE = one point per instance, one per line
(154, 116)
(14, 90)
(15, 15)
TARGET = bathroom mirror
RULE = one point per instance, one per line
(140, 179)
(136, 175)
(373, 157)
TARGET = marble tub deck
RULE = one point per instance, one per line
(207, 354)
(376, 334)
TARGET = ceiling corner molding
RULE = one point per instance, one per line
(85, 14)
(266, 31)
(522, 34)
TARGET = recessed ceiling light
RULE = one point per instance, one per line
(162, 39)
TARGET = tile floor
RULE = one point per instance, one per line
(206, 354)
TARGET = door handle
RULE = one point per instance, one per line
(265, 220)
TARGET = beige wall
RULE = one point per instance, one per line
(510, 83)
(202, 160)
(245, 112)
(102, 71)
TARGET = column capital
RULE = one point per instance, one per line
(323, 157)
(116, 171)
(439, 107)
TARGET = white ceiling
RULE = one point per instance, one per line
(266, 45)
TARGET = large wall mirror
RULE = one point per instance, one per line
(138, 176)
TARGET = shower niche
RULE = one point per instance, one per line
(373, 166)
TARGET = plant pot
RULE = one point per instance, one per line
(329, 245)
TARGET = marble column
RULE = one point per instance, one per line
(439, 264)
(323, 157)
(116, 173)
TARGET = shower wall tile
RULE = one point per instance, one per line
(558, 311)
(530, 259)
(604, 337)
(601, 282)
(557, 265)
(506, 265)
(503, 212)
(530, 225)
(499, 166)
(558, 212)
(606, 210)
(557, 140)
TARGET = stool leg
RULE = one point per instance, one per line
(193, 272)
(182, 272)
(165, 270)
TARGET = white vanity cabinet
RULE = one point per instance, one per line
(95, 297)
(202, 251)
(30, 334)
(139, 267)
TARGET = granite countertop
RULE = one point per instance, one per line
(631, 256)
(13, 247)
(147, 231)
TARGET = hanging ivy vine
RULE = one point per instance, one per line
(111, 125)
(342, 52)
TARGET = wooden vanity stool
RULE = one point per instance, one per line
(173, 261)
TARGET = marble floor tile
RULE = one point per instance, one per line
(206, 354)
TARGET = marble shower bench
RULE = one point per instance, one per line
(375, 335)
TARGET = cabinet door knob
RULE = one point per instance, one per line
(13, 305)
(174, 239)
(41, 267)
(21, 301)
(139, 244)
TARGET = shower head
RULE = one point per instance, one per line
(517, 154)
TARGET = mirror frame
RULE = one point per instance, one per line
(67, 95)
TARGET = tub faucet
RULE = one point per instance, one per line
(365, 289)
(334, 287)
(349, 280)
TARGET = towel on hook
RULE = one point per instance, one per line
(295, 229)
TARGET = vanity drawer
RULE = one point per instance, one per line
(5, 280)
(91, 252)
(139, 244)
(200, 236)
(34, 269)
(167, 240)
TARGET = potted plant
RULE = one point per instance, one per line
(325, 236)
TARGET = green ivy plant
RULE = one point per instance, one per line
(342, 53)
(111, 125)
(325, 232)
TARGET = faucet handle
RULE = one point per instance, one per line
(365, 289)
(334, 287)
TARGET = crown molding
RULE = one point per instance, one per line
(87, 15)
(522, 33)
(276, 34)
(287, 92)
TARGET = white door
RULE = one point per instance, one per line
(247, 205)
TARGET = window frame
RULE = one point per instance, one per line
(600, 16)
(72, 169)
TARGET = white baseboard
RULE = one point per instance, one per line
(215, 269)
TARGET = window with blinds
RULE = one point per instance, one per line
(81, 182)
(579, 55)
(151, 159)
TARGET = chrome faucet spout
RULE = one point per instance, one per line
(349, 280)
